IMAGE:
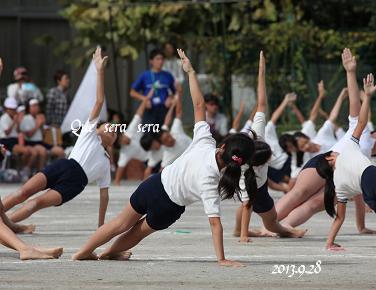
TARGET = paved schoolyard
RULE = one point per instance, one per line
(182, 257)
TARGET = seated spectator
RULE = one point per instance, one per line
(216, 120)
(9, 123)
(23, 89)
(31, 125)
(157, 83)
(57, 100)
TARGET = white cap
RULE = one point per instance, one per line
(21, 108)
(10, 103)
(33, 102)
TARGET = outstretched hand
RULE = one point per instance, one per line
(99, 61)
(262, 63)
(321, 88)
(344, 93)
(290, 97)
(348, 60)
(369, 87)
(185, 62)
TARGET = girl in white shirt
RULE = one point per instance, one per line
(306, 197)
(198, 174)
(66, 178)
(349, 172)
(261, 202)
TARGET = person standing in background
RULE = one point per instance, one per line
(216, 120)
(23, 89)
(172, 65)
(57, 99)
(163, 85)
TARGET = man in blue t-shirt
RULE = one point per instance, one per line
(157, 85)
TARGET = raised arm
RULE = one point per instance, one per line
(337, 106)
(179, 107)
(103, 203)
(100, 63)
(290, 97)
(1, 66)
(238, 117)
(369, 89)
(197, 98)
(170, 115)
(317, 105)
(261, 86)
(349, 63)
(297, 113)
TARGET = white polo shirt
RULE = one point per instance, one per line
(325, 137)
(90, 154)
(349, 167)
(195, 175)
(28, 123)
(308, 128)
(182, 142)
(5, 122)
(279, 157)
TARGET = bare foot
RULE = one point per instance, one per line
(31, 253)
(79, 256)
(122, 256)
(23, 229)
(254, 233)
(265, 233)
(293, 233)
(55, 252)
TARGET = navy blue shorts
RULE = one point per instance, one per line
(312, 163)
(66, 177)
(263, 201)
(33, 143)
(150, 198)
(9, 143)
(368, 185)
(277, 175)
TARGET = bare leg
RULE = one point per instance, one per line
(127, 240)
(35, 184)
(271, 223)
(17, 228)
(360, 214)
(238, 218)
(57, 152)
(119, 175)
(9, 238)
(42, 156)
(306, 210)
(47, 199)
(307, 184)
(122, 223)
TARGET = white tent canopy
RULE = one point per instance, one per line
(84, 100)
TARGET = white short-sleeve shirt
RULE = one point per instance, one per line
(195, 175)
(28, 123)
(182, 142)
(133, 150)
(349, 167)
(325, 137)
(5, 122)
(308, 128)
(90, 154)
(279, 157)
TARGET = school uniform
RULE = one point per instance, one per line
(354, 173)
(182, 142)
(263, 201)
(280, 163)
(366, 143)
(133, 150)
(10, 140)
(28, 123)
(88, 162)
(308, 128)
(192, 177)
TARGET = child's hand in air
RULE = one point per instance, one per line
(185, 62)
(369, 87)
(348, 60)
(99, 61)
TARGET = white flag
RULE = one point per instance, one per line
(84, 100)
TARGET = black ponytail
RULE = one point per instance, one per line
(325, 171)
(250, 185)
(238, 150)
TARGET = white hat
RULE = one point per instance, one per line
(33, 102)
(10, 103)
(21, 108)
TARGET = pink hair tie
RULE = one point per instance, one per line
(237, 159)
